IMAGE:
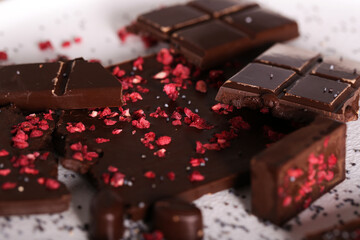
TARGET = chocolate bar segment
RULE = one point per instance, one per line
(161, 23)
(219, 8)
(349, 230)
(66, 85)
(284, 184)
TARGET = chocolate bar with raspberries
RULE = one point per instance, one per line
(28, 168)
(283, 183)
(73, 84)
(349, 230)
(210, 32)
(287, 81)
(171, 139)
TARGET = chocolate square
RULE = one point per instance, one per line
(160, 23)
(337, 68)
(261, 78)
(219, 8)
(289, 57)
(318, 92)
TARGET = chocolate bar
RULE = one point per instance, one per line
(287, 81)
(28, 169)
(350, 230)
(211, 32)
(171, 139)
(289, 181)
(73, 84)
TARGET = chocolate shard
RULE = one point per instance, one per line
(73, 84)
(106, 216)
(178, 220)
(285, 183)
(28, 169)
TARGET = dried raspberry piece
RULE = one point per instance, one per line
(44, 156)
(163, 140)
(90, 155)
(118, 72)
(78, 156)
(164, 56)
(4, 172)
(134, 96)
(181, 71)
(28, 170)
(41, 180)
(307, 202)
(116, 131)
(201, 86)
(76, 146)
(109, 122)
(3, 153)
(176, 115)
(142, 123)
(161, 75)
(45, 45)
(52, 184)
(212, 146)
(92, 128)
(77, 127)
(3, 56)
(20, 140)
(196, 176)
(66, 44)
(156, 235)
(36, 133)
(170, 90)
(139, 113)
(239, 123)
(105, 112)
(117, 179)
(138, 63)
(112, 169)
(142, 89)
(94, 114)
(222, 108)
(332, 160)
(150, 174)
(160, 153)
(77, 39)
(176, 123)
(329, 176)
(195, 162)
(194, 120)
(8, 185)
(106, 178)
(48, 116)
(295, 173)
(43, 125)
(287, 201)
(94, 60)
(171, 176)
(123, 34)
(102, 140)
(200, 148)
(158, 113)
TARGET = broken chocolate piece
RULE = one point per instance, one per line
(288, 182)
(73, 84)
(178, 219)
(28, 169)
(106, 216)
(303, 92)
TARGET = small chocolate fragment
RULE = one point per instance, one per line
(285, 183)
(106, 216)
(178, 220)
(73, 84)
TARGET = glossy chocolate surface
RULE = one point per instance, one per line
(66, 85)
(178, 220)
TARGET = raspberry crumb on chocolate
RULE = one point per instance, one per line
(201, 86)
(171, 176)
(164, 56)
(3, 153)
(45, 45)
(163, 140)
(150, 174)
(196, 176)
(3, 56)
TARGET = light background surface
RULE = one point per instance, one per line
(331, 27)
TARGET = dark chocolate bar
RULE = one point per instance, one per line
(171, 138)
(283, 183)
(210, 32)
(287, 80)
(349, 230)
(73, 84)
(28, 169)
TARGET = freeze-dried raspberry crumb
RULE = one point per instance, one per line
(77, 39)
(94, 60)
(222, 108)
(138, 63)
(170, 90)
(3, 153)
(181, 71)
(116, 131)
(66, 44)
(195, 162)
(239, 123)
(134, 96)
(123, 34)
(76, 146)
(156, 235)
(201, 86)
(105, 112)
(212, 146)
(118, 72)
(196, 176)
(52, 184)
(44, 156)
(176, 123)
(158, 113)
(161, 75)
(20, 140)
(48, 116)
(5, 172)
(8, 185)
(326, 141)
(164, 56)
(200, 148)
(163, 140)
(195, 120)
(92, 128)
(3, 56)
(45, 45)
(287, 201)
(171, 176)
(36, 133)
(295, 173)
(109, 122)
(160, 153)
(332, 160)
(112, 169)
(142, 89)
(29, 170)
(102, 140)
(77, 127)
(150, 174)
(141, 123)
(78, 156)
(117, 179)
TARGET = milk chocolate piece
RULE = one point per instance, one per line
(28, 169)
(219, 8)
(336, 99)
(285, 183)
(106, 216)
(178, 220)
(350, 230)
(66, 85)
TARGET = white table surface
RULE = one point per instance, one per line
(331, 27)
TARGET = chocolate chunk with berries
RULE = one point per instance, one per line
(286, 182)
(106, 216)
(28, 168)
(178, 219)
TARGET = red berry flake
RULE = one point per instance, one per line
(41, 180)
(222, 108)
(28, 170)
(77, 39)
(93, 60)
(332, 160)
(142, 89)
(118, 72)
(195, 162)
(133, 97)
(158, 113)
(36, 133)
(201, 86)
(176, 123)
(160, 153)
(239, 123)
(3, 153)
(44, 156)
(181, 71)
(171, 176)
(4, 172)
(195, 120)
(176, 115)
(170, 90)
(196, 176)
(77, 127)
(156, 235)
(45, 45)
(112, 169)
(109, 122)
(150, 174)
(123, 34)
(20, 140)
(116, 131)
(105, 112)
(142, 123)
(326, 142)
(287, 201)
(138, 63)
(48, 116)
(3, 56)
(52, 184)
(93, 114)
(76, 146)
(92, 128)
(8, 185)
(78, 156)
(161, 75)
(164, 56)
(163, 140)
(66, 44)
(200, 148)
(295, 173)
(102, 140)
(117, 179)
(106, 178)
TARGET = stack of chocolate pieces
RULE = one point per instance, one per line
(151, 137)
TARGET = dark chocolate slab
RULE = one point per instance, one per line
(289, 57)
(261, 78)
(67, 85)
(348, 230)
(218, 8)
(323, 94)
(339, 69)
